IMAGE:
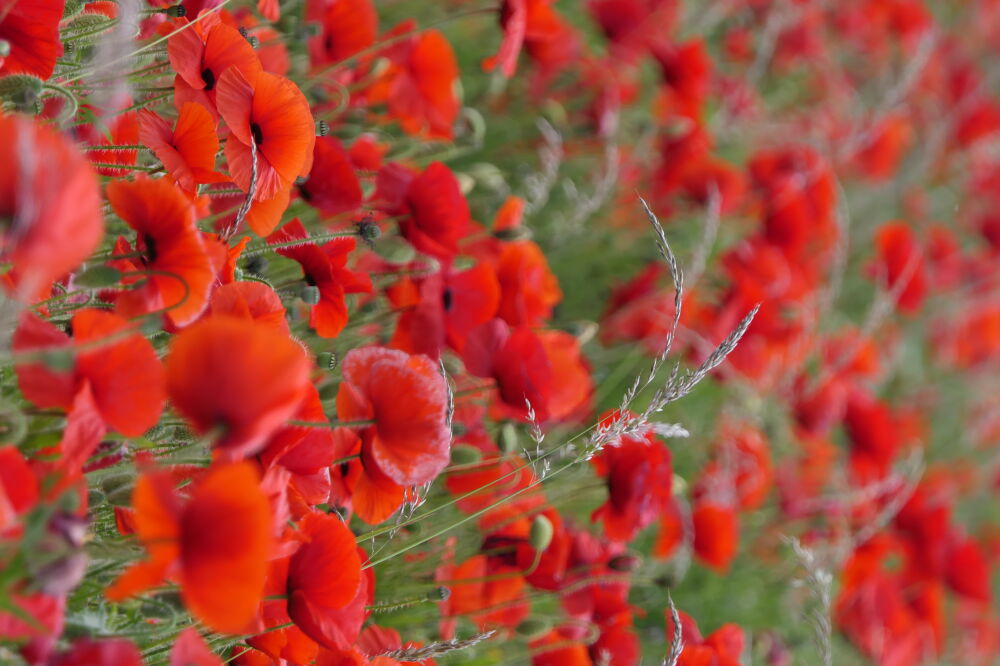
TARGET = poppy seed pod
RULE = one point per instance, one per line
(176, 11)
(541, 533)
(462, 454)
(4, 48)
(98, 276)
(310, 295)
(440, 593)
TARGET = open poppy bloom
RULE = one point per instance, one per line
(269, 113)
(216, 544)
(244, 378)
(528, 289)
(202, 54)
(49, 225)
(716, 534)
(179, 270)
(188, 150)
(326, 269)
(348, 26)
(115, 381)
(409, 441)
(419, 87)
(30, 28)
(332, 186)
(639, 479)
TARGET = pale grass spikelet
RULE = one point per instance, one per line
(434, 650)
(677, 641)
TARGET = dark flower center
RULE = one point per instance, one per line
(258, 136)
(446, 299)
(208, 76)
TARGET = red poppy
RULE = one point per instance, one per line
(54, 223)
(348, 26)
(325, 267)
(271, 113)
(436, 213)
(528, 289)
(639, 480)
(88, 652)
(190, 649)
(324, 574)
(18, 488)
(122, 130)
(250, 300)
(359, 484)
(332, 186)
(30, 28)
(716, 534)
(115, 381)
(514, 20)
(901, 260)
(407, 398)
(245, 378)
(216, 544)
(201, 54)
(181, 272)
(188, 150)
(419, 87)
(450, 304)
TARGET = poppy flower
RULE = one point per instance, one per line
(201, 55)
(325, 267)
(716, 534)
(332, 186)
(188, 150)
(190, 649)
(254, 301)
(359, 484)
(53, 224)
(181, 272)
(901, 260)
(122, 131)
(18, 488)
(348, 26)
(270, 113)
(436, 214)
(410, 439)
(449, 305)
(323, 574)
(116, 380)
(30, 29)
(419, 87)
(216, 544)
(486, 589)
(639, 480)
(514, 20)
(88, 652)
(243, 377)
(528, 289)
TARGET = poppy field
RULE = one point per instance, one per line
(529, 332)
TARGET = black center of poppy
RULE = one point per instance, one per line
(258, 136)
(304, 191)
(344, 469)
(446, 299)
(208, 76)
(150, 248)
(309, 280)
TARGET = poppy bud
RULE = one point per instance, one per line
(98, 276)
(327, 360)
(627, 562)
(368, 230)
(177, 11)
(310, 295)
(533, 628)
(21, 90)
(440, 593)
(541, 533)
(322, 128)
(462, 454)
(508, 438)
